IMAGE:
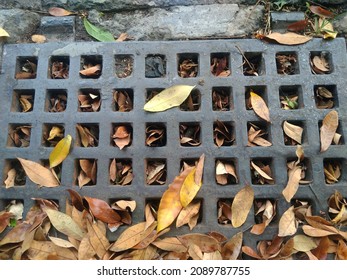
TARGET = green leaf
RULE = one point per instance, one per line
(168, 98)
(60, 151)
(97, 33)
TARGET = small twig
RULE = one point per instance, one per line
(245, 58)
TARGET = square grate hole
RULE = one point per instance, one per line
(121, 171)
(85, 172)
(58, 67)
(224, 133)
(253, 64)
(19, 135)
(121, 135)
(259, 90)
(156, 171)
(294, 132)
(321, 63)
(89, 100)
(265, 211)
(287, 63)
(155, 134)
(338, 138)
(226, 172)
(155, 66)
(220, 64)
(13, 174)
(124, 65)
(123, 100)
(193, 101)
(87, 135)
(291, 97)
(52, 134)
(326, 96)
(222, 99)
(26, 67)
(56, 100)
(188, 65)
(91, 66)
(259, 134)
(190, 134)
(262, 171)
(334, 170)
(23, 100)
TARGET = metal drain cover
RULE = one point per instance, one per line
(124, 68)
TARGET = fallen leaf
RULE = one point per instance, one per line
(168, 98)
(59, 12)
(288, 38)
(102, 210)
(171, 244)
(123, 101)
(320, 11)
(132, 236)
(5, 220)
(122, 37)
(97, 33)
(207, 244)
(122, 136)
(232, 248)
(91, 71)
(65, 224)
(293, 131)
(241, 206)
(38, 38)
(38, 174)
(328, 129)
(60, 151)
(195, 252)
(267, 210)
(319, 64)
(188, 68)
(187, 214)
(287, 224)
(225, 173)
(11, 178)
(156, 172)
(292, 186)
(3, 33)
(321, 251)
(303, 243)
(170, 204)
(341, 250)
(298, 25)
(261, 172)
(259, 106)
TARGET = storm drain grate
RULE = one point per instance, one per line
(140, 69)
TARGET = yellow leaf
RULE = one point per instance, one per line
(170, 204)
(287, 225)
(3, 33)
(36, 38)
(189, 188)
(168, 98)
(259, 106)
(60, 151)
(38, 174)
(303, 243)
(328, 129)
(55, 131)
(241, 206)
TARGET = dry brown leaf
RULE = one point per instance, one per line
(303, 243)
(59, 12)
(259, 106)
(91, 71)
(267, 209)
(187, 214)
(321, 11)
(341, 250)
(102, 210)
(36, 38)
(287, 224)
(241, 206)
(289, 38)
(225, 173)
(232, 248)
(121, 136)
(206, 243)
(293, 131)
(328, 129)
(293, 183)
(171, 244)
(39, 174)
(261, 172)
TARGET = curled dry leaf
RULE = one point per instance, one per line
(189, 215)
(190, 135)
(232, 248)
(320, 64)
(286, 63)
(332, 172)
(265, 211)
(60, 151)
(328, 129)
(20, 135)
(59, 12)
(121, 172)
(224, 212)
(90, 70)
(255, 136)
(155, 135)
(259, 106)
(226, 173)
(337, 208)
(222, 134)
(87, 172)
(39, 174)
(102, 210)
(26, 103)
(324, 98)
(188, 68)
(220, 100)
(89, 102)
(122, 136)
(87, 135)
(170, 97)
(57, 103)
(289, 38)
(59, 70)
(27, 70)
(241, 206)
(3, 33)
(156, 173)
(261, 173)
(219, 67)
(293, 131)
(287, 224)
(122, 101)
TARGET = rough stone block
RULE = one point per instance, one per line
(58, 28)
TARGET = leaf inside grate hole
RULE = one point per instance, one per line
(52, 135)
(289, 102)
(57, 103)
(257, 136)
(26, 103)
(261, 172)
(122, 136)
(223, 134)
(221, 100)
(320, 63)
(90, 68)
(265, 211)
(219, 66)
(15, 175)
(156, 172)
(86, 172)
(88, 135)
(188, 68)
(224, 212)
(27, 70)
(192, 103)
(324, 98)
(123, 101)
(89, 102)
(124, 66)
(189, 135)
(225, 173)
(338, 209)
(59, 70)
(155, 135)
(286, 64)
(121, 172)
(332, 171)
(20, 135)
(292, 133)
